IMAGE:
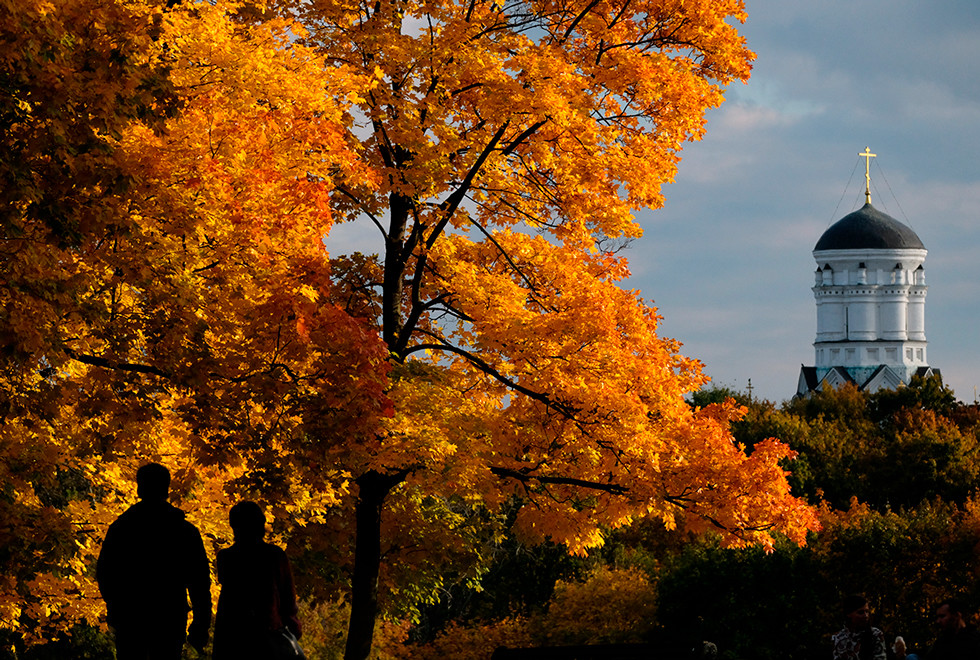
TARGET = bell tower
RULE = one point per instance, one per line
(870, 292)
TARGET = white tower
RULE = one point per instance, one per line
(870, 292)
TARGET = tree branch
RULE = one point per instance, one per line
(122, 366)
(449, 206)
(509, 473)
(483, 366)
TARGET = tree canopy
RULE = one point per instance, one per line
(174, 289)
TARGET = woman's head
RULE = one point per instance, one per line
(247, 521)
(857, 612)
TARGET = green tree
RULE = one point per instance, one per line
(921, 393)
(893, 448)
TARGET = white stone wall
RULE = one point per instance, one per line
(870, 308)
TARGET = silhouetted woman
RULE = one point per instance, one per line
(257, 593)
(858, 640)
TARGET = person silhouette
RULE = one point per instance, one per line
(957, 640)
(858, 640)
(151, 559)
(257, 603)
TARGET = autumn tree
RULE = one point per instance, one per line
(165, 292)
(67, 86)
(178, 302)
(513, 142)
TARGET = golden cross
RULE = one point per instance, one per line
(867, 155)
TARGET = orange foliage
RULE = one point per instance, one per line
(167, 294)
(182, 312)
(513, 142)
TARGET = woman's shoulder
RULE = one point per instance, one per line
(266, 551)
(275, 552)
(270, 548)
(252, 550)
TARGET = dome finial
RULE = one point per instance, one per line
(867, 155)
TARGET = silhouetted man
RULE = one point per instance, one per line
(957, 640)
(150, 560)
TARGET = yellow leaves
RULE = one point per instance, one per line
(182, 311)
(590, 123)
(576, 335)
(611, 606)
(260, 134)
(309, 293)
(189, 314)
(431, 421)
(60, 600)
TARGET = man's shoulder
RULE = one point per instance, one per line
(188, 526)
(154, 518)
(127, 517)
(971, 636)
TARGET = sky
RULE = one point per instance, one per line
(728, 259)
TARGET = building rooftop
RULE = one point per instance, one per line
(868, 228)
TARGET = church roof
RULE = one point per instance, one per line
(868, 228)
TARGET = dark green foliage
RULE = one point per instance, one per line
(752, 605)
(785, 605)
(905, 562)
(709, 395)
(896, 471)
(520, 580)
(891, 449)
(921, 393)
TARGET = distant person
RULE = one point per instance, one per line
(858, 640)
(257, 605)
(151, 559)
(957, 640)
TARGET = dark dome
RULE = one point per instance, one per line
(868, 228)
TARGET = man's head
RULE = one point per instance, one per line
(153, 482)
(857, 612)
(247, 521)
(950, 616)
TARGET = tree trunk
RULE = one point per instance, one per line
(373, 487)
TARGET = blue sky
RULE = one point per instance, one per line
(728, 259)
